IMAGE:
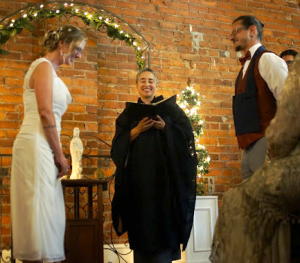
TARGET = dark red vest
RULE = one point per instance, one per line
(266, 105)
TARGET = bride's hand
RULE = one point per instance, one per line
(61, 164)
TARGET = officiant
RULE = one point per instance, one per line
(155, 186)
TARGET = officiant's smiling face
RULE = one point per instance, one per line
(146, 86)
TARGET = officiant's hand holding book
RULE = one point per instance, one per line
(149, 115)
(138, 111)
(146, 124)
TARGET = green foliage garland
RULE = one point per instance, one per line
(190, 103)
(93, 19)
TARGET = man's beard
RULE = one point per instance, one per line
(238, 48)
(243, 43)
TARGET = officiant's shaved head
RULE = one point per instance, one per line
(149, 70)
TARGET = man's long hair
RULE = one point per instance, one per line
(248, 21)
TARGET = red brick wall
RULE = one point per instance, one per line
(188, 38)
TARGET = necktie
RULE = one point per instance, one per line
(245, 58)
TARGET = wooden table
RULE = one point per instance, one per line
(84, 231)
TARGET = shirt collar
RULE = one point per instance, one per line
(254, 48)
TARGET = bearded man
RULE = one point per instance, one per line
(258, 85)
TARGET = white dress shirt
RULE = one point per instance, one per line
(272, 68)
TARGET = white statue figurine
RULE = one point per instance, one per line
(76, 148)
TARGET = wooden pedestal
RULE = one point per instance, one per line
(84, 236)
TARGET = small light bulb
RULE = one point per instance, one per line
(121, 31)
(25, 15)
(100, 17)
(41, 6)
(76, 10)
(57, 11)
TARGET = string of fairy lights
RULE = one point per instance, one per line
(97, 20)
(189, 101)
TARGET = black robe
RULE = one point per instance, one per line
(155, 184)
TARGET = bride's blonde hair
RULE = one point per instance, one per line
(67, 34)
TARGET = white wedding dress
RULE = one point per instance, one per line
(37, 203)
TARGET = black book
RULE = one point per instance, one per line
(138, 111)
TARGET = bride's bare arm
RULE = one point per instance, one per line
(42, 82)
